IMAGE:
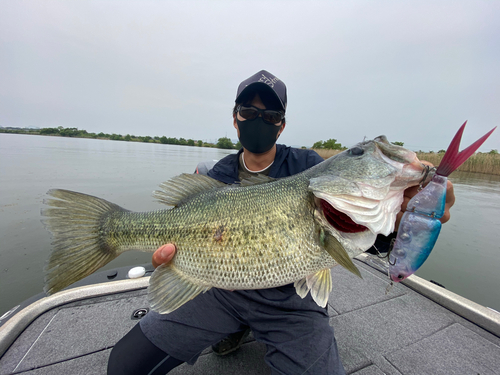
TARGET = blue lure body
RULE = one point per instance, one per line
(420, 226)
(418, 230)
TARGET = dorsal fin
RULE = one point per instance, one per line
(175, 190)
(256, 180)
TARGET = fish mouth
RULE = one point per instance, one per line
(339, 220)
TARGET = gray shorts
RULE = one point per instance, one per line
(296, 331)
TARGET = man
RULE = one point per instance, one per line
(296, 331)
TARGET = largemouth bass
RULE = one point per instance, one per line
(259, 234)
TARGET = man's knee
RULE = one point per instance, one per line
(135, 354)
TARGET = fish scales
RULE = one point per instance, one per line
(262, 234)
(224, 246)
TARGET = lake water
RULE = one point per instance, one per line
(466, 259)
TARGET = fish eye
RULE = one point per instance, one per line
(356, 151)
(400, 277)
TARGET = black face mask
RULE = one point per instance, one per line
(256, 135)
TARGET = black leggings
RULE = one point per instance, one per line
(135, 354)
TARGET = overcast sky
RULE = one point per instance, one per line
(412, 70)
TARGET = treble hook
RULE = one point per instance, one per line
(389, 287)
(427, 171)
(379, 254)
(391, 246)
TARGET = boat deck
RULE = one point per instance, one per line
(399, 332)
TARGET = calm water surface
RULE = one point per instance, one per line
(466, 259)
(125, 173)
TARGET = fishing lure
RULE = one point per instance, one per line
(420, 226)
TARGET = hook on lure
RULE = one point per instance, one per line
(427, 171)
(420, 226)
(391, 246)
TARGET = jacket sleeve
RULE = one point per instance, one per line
(226, 169)
(313, 158)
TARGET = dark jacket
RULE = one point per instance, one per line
(287, 162)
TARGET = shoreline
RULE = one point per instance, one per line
(112, 137)
(484, 163)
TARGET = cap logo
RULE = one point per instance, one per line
(268, 81)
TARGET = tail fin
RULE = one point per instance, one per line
(74, 219)
(453, 159)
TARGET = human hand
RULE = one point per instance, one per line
(411, 192)
(163, 254)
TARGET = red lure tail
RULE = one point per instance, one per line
(452, 158)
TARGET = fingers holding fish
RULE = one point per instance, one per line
(412, 191)
(450, 201)
(164, 254)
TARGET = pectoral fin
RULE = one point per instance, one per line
(337, 252)
(169, 289)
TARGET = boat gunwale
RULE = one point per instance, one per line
(483, 316)
(16, 324)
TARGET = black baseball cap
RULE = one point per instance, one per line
(265, 79)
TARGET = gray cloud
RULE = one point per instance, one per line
(411, 70)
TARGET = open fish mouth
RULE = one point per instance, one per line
(361, 200)
(339, 220)
(351, 215)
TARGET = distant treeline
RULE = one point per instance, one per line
(480, 162)
(60, 131)
(331, 144)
